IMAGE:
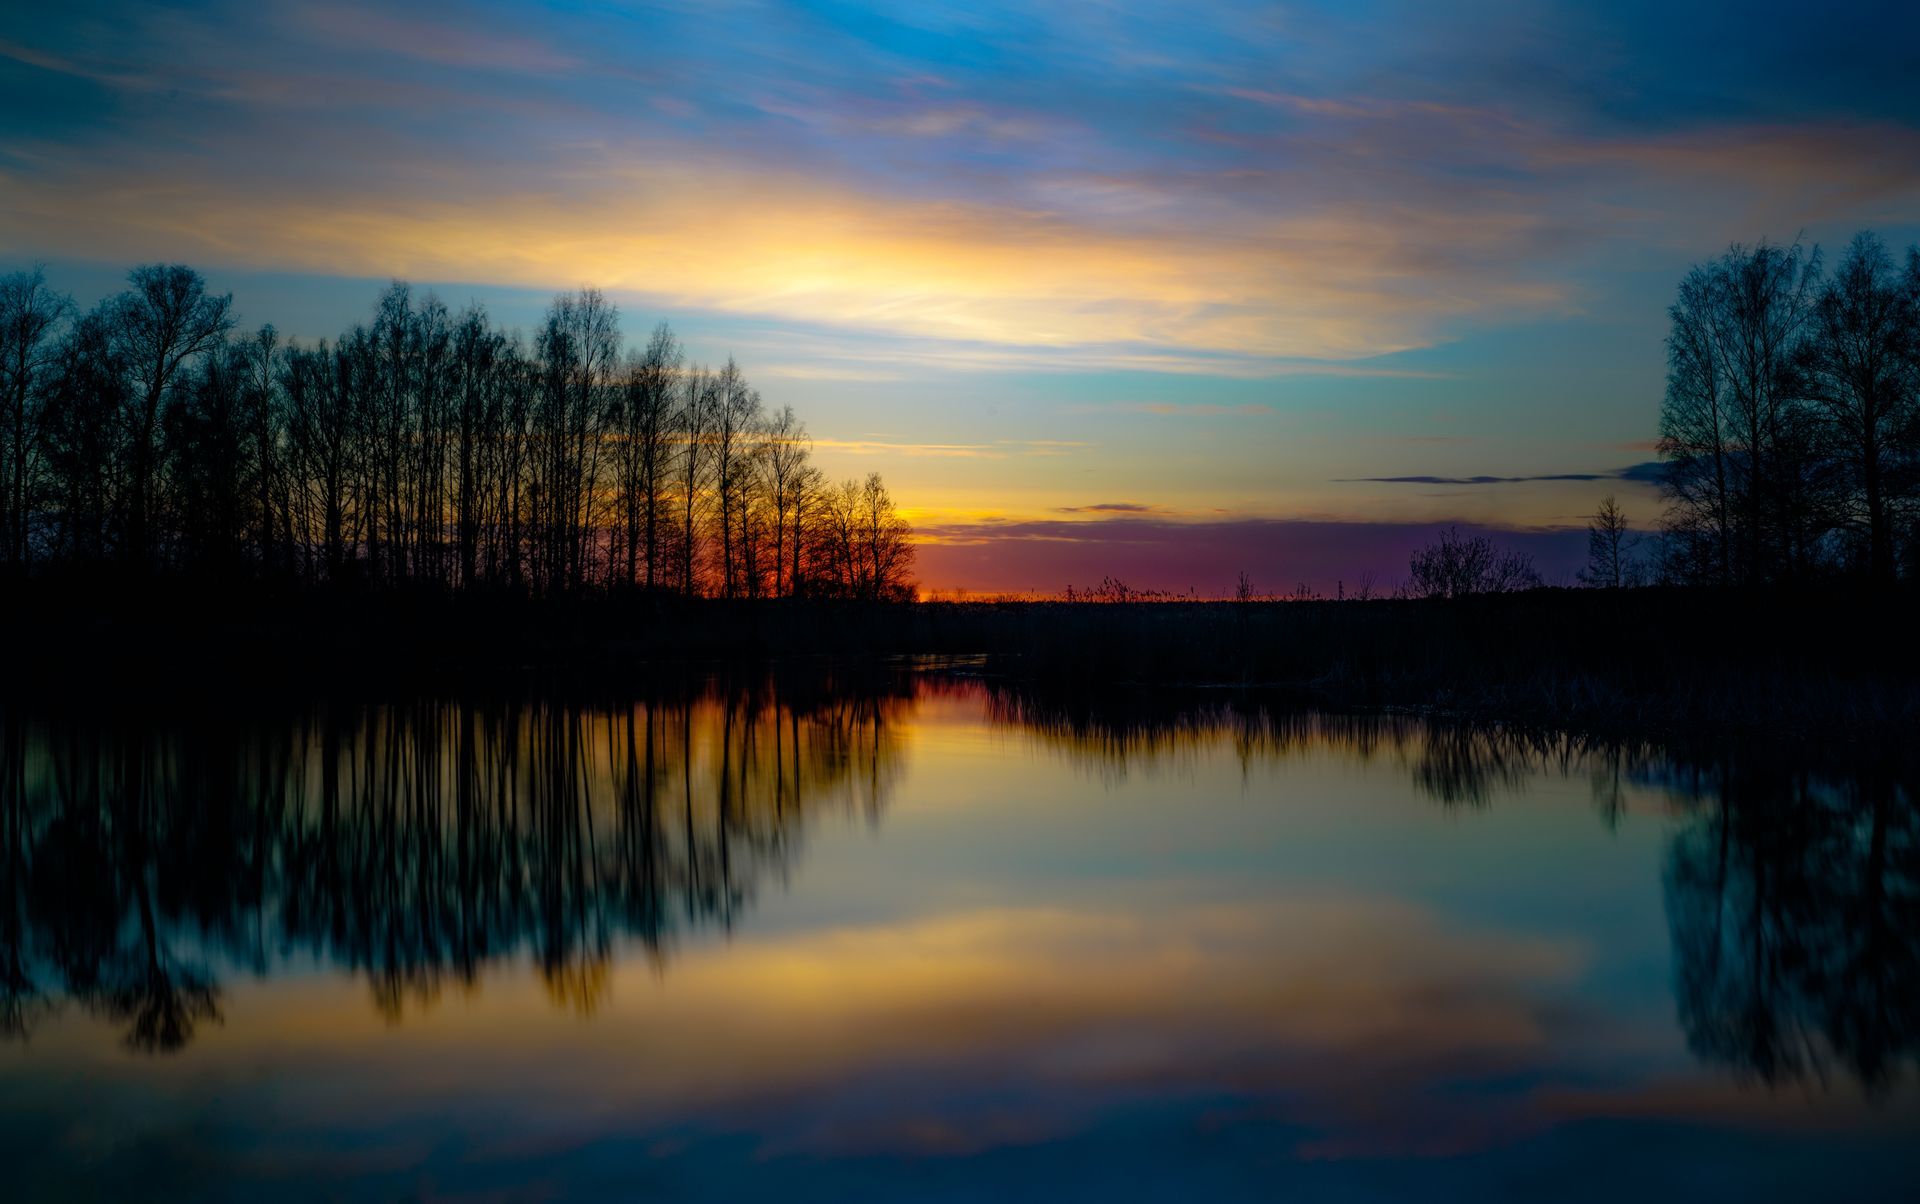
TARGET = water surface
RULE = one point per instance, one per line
(926, 939)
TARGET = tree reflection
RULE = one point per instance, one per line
(1794, 902)
(1793, 895)
(1455, 763)
(415, 843)
(421, 842)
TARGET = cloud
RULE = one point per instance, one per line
(998, 449)
(825, 371)
(1139, 192)
(1110, 508)
(1194, 409)
(563, 191)
(1649, 472)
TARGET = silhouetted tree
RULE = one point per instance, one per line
(420, 449)
(1861, 369)
(735, 411)
(161, 325)
(1609, 547)
(643, 458)
(694, 420)
(784, 464)
(212, 470)
(1456, 565)
(86, 446)
(30, 318)
(1741, 479)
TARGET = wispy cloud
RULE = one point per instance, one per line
(999, 449)
(1648, 472)
(1140, 192)
(1193, 409)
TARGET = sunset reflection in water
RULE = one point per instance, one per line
(886, 936)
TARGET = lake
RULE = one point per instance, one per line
(927, 937)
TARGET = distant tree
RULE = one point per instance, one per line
(1456, 566)
(1609, 547)
(30, 318)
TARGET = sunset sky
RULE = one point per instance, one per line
(1159, 290)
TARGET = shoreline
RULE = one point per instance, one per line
(1806, 664)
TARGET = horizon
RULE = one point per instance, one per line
(1154, 297)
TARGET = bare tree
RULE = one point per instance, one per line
(86, 440)
(693, 427)
(211, 466)
(1456, 566)
(1695, 435)
(643, 461)
(1609, 547)
(786, 458)
(888, 552)
(579, 346)
(1740, 469)
(736, 410)
(810, 492)
(420, 449)
(164, 322)
(30, 316)
(1862, 370)
(261, 354)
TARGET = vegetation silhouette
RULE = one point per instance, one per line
(433, 496)
(426, 450)
(1790, 428)
(1458, 566)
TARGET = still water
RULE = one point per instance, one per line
(929, 939)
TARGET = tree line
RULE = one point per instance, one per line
(1791, 422)
(1789, 435)
(426, 448)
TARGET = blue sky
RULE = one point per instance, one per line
(1217, 265)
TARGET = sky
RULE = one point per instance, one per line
(1158, 291)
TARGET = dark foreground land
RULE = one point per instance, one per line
(1808, 664)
